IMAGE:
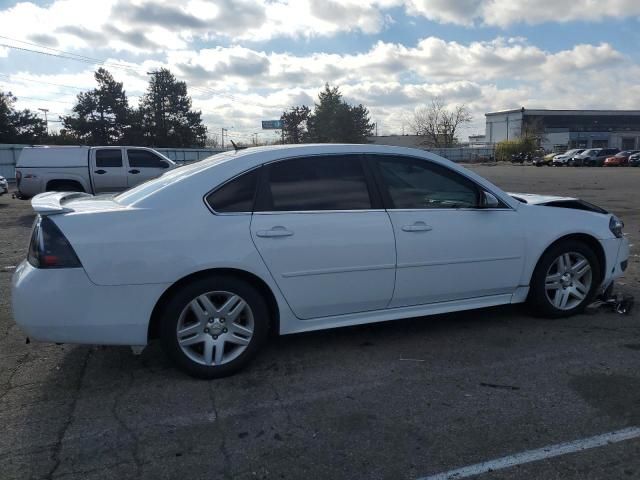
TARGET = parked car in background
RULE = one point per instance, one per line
(4, 185)
(544, 160)
(586, 156)
(634, 160)
(592, 157)
(563, 158)
(86, 169)
(213, 256)
(620, 159)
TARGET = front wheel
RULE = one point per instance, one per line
(214, 326)
(565, 280)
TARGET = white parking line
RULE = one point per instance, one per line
(538, 454)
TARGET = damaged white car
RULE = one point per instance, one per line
(212, 256)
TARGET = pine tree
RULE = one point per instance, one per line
(19, 126)
(100, 116)
(166, 116)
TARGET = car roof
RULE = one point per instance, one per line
(210, 172)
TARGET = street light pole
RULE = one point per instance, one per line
(222, 130)
(46, 120)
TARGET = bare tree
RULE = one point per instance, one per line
(438, 124)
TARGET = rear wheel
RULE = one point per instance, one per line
(565, 280)
(214, 326)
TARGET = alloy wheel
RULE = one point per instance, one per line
(215, 328)
(568, 280)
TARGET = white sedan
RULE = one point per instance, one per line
(212, 256)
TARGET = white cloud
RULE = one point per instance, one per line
(503, 13)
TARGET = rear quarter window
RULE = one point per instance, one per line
(235, 196)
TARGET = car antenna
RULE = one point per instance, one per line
(236, 147)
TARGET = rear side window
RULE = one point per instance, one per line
(109, 158)
(145, 159)
(316, 183)
(235, 196)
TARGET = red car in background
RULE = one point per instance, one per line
(619, 159)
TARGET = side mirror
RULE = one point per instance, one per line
(489, 200)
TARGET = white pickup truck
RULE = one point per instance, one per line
(86, 169)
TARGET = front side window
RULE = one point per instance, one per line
(335, 182)
(109, 158)
(236, 195)
(418, 184)
(145, 159)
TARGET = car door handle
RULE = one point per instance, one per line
(417, 227)
(134, 171)
(100, 172)
(274, 232)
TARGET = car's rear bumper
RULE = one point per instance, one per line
(63, 305)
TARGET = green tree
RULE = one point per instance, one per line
(166, 116)
(100, 116)
(19, 126)
(335, 121)
(294, 124)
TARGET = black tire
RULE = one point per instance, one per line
(538, 299)
(177, 303)
(64, 186)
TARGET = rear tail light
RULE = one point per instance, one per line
(49, 248)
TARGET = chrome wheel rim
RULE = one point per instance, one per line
(215, 328)
(568, 280)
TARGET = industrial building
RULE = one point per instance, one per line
(562, 129)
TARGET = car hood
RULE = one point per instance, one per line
(556, 201)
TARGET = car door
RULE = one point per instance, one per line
(324, 236)
(448, 248)
(108, 173)
(144, 165)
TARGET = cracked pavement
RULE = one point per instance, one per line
(397, 400)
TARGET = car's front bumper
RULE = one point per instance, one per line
(64, 306)
(4, 188)
(617, 257)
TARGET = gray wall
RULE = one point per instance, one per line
(9, 153)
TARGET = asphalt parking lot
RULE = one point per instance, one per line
(398, 400)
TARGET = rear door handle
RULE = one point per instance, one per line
(100, 172)
(417, 227)
(134, 171)
(274, 232)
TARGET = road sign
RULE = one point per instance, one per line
(271, 124)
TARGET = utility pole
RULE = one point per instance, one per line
(46, 121)
(222, 130)
(376, 129)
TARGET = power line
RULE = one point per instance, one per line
(98, 61)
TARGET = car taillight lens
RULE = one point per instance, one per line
(49, 248)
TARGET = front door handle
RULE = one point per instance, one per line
(134, 171)
(417, 227)
(100, 172)
(274, 232)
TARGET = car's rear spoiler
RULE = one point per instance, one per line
(51, 203)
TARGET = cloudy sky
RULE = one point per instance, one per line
(247, 60)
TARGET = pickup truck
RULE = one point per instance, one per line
(86, 169)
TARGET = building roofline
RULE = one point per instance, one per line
(542, 111)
